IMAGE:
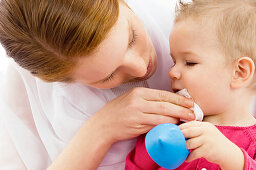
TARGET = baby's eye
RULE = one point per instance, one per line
(189, 63)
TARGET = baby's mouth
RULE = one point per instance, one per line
(175, 90)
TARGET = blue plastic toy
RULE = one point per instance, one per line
(166, 145)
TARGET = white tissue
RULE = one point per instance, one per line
(197, 110)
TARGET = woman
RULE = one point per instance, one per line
(92, 52)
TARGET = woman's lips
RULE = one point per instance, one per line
(149, 70)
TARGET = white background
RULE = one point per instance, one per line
(3, 59)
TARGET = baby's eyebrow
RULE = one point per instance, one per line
(186, 53)
(189, 53)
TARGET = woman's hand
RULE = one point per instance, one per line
(139, 110)
(125, 117)
(206, 141)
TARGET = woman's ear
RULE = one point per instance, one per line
(243, 72)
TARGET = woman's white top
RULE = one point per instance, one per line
(39, 119)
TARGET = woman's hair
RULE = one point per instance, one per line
(234, 22)
(47, 37)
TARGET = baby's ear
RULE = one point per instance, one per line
(243, 72)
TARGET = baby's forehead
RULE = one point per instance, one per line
(198, 23)
(194, 31)
(188, 38)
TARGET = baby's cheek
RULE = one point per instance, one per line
(212, 104)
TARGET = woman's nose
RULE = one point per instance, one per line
(174, 73)
(135, 66)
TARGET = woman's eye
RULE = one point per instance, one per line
(188, 63)
(109, 78)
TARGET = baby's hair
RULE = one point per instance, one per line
(234, 22)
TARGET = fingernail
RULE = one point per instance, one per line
(191, 116)
(189, 103)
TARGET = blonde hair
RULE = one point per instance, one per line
(47, 37)
(234, 22)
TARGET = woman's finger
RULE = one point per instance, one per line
(155, 119)
(146, 128)
(141, 129)
(164, 96)
(169, 109)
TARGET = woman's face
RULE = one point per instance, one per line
(127, 54)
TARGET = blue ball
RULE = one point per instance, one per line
(166, 145)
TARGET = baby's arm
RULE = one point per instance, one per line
(138, 158)
(205, 140)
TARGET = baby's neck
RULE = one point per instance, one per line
(239, 114)
(243, 120)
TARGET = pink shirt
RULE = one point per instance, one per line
(243, 137)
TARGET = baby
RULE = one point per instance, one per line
(213, 47)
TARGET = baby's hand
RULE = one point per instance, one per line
(206, 141)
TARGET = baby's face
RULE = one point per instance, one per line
(200, 66)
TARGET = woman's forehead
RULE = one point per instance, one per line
(109, 54)
(118, 36)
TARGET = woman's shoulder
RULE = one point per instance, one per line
(12, 84)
